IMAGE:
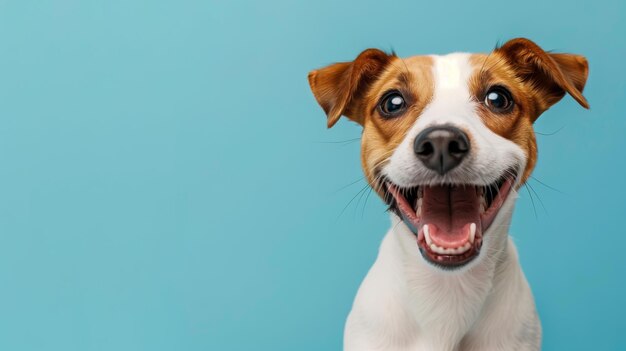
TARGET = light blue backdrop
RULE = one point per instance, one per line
(167, 181)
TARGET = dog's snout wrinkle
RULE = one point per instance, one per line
(441, 148)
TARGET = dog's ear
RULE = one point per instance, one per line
(339, 86)
(551, 74)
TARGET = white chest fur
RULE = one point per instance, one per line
(404, 304)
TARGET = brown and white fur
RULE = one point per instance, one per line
(406, 302)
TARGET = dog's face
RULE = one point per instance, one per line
(447, 140)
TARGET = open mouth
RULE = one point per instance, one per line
(449, 220)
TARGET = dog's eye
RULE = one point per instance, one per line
(499, 100)
(392, 104)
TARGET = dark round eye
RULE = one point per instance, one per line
(392, 104)
(498, 99)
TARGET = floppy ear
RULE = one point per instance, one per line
(552, 74)
(338, 87)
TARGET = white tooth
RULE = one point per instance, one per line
(418, 212)
(463, 248)
(437, 249)
(472, 232)
(429, 241)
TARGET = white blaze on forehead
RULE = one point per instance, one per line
(452, 71)
(452, 101)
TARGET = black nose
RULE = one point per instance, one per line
(441, 148)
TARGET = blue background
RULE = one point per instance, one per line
(167, 181)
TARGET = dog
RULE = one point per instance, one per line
(446, 142)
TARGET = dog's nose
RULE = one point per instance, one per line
(441, 148)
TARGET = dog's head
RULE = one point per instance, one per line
(447, 140)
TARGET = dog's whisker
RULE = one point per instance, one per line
(347, 141)
(369, 192)
(352, 200)
(538, 198)
(349, 185)
(551, 133)
(546, 185)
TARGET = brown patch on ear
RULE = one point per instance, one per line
(552, 75)
(337, 86)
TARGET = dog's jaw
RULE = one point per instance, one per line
(494, 241)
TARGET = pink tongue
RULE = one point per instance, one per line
(449, 212)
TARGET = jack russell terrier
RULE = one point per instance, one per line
(447, 141)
